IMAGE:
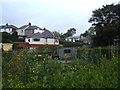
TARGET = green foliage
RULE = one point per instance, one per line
(56, 34)
(106, 22)
(10, 38)
(72, 44)
(70, 32)
(105, 15)
(16, 46)
(24, 70)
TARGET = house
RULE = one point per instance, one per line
(8, 28)
(29, 29)
(72, 38)
(46, 38)
(86, 39)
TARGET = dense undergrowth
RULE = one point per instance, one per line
(29, 70)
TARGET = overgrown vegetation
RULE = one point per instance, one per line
(24, 69)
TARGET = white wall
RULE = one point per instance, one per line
(38, 30)
(70, 39)
(49, 41)
(8, 30)
(21, 31)
(2, 30)
(26, 39)
(42, 41)
(56, 43)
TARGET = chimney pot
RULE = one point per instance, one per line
(7, 24)
(29, 24)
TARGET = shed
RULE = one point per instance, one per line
(7, 46)
(69, 52)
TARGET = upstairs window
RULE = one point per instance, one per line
(21, 31)
(36, 40)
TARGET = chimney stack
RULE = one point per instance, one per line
(44, 28)
(29, 24)
(6, 24)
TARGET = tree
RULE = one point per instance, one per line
(10, 38)
(105, 15)
(56, 34)
(106, 21)
(70, 32)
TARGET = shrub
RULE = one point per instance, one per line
(25, 72)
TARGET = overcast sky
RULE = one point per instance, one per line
(55, 15)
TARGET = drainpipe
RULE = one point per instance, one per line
(46, 41)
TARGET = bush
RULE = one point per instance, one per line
(71, 44)
(24, 71)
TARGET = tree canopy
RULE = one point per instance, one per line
(70, 32)
(106, 24)
(10, 38)
(56, 34)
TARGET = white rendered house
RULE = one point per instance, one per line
(8, 28)
(72, 38)
(45, 38)
(29, 29)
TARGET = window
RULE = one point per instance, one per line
(56, 40)
(31, 31)
(36, 39)
(28, 40)
(67, 51)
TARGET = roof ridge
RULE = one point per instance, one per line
(35, 34)
(33, 27)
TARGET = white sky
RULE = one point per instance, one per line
(55, 15)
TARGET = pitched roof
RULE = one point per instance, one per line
(33, 27)
(47, 34)
(24, 26)
(29, 27)
(8, 26)
(35, 35)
